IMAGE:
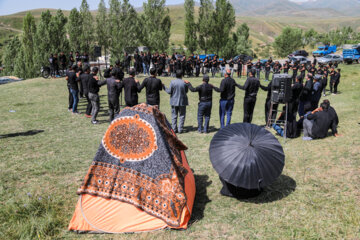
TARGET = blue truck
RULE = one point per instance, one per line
(324, 50)
(351, 54)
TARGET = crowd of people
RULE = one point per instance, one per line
(309, 83)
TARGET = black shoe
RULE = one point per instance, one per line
(95, 122)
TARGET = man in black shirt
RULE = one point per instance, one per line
(251, 88)
(305, 96)
(267, 70)
(79, 70)
(205, 102)
(153, 87)
(249, 66)
(56, 65)
(94, 87)
(71, 59)
(258, 69)
(294, 68)
(114, 89)
(239, 67)
(336, 81)
(131, 89)
(62, 60)
(85, 79)
(227, 89)
(286, 67)
(72, 83)
(332, 112)
(268, 102)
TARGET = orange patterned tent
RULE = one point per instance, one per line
(139, 180)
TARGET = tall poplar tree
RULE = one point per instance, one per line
(116, 47)
(28, 42)
(102, 26)
(222, 24)
(86, 35)
(156, 25)
(190, 26)
(11, 50)
(58, 33)
(43, 45)
(74, 28)
(204, 24)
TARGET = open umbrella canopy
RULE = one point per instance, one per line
(246, 155)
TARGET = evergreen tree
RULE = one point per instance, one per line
(190, 26)
(243, 44)
(222, 24)
(156, 25)
(116, 47)
(309, 38)
(86, 35)
(20, 65)
(288, 41)
(57, 30)
(102, 26)
(130, 28)
(74, 28)
(43, 45)
(28, 42)
(11, 50)
(204, 24)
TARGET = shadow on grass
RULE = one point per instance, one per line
(280, 189)
(201, 198)
(28, 133)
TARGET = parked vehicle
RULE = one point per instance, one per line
(331, 58)
(243, 57)
(299, 53)
(300, 60)
(324, 50)
(351, 54)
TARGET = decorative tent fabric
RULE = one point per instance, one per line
(139, 179)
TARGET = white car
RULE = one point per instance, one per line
(331, 58)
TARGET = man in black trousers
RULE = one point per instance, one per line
(114, 88)
(251, 88)
(268, 103)
(205, 102)
(131, 89)
(85, 79)
(153, 87)
(94, 87)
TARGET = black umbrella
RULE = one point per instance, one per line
(246, 155)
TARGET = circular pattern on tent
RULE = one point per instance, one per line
(130, 138)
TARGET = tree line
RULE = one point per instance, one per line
(292, 39)
(113, 28)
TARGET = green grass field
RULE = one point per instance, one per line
(45, 153)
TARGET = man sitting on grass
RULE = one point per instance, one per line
(317, 124)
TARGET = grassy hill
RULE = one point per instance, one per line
(45, 152)
(263, 29)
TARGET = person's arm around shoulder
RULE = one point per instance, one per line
(215, 88)
(169, 89)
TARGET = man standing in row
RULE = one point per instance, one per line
(85, 79)
(114, 89)
(94, 87)
(227, 96)
(153, 87)
(131, 89)
(251, 88)
(178, 101)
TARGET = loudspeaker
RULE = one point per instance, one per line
(281, 88)
(97, 51)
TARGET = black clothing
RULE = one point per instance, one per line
(251, 87)
(153, 87)
(131, 89)
(322, 122)
(205, 91)
(62, 59)
(268, 103)
(114, 89)
(333, 115)
(72, 80)
(227, 88)
(94, 85)
(85, 79)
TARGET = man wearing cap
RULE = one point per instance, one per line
(178, 101)
(205, 91)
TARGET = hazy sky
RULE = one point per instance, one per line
(13, 6)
